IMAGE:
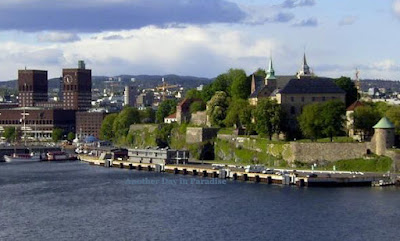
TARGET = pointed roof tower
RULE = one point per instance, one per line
(305, 69)
(271, 71)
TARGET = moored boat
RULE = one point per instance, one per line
(57, 156)
(21, 157)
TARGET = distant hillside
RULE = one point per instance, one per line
(144, 81)
(374, 83)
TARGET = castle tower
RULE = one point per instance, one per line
(305, 69)
(270, 79)
(383, 136)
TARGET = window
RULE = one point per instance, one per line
(292, 99)
(302, 99)
(293, 110)
(313, 98)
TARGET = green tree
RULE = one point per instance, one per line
(261, 72)
(124, 120)
(333, 118)
(147, 115)
(393, 113)
(239, 113)
(165, 109)
(163, 135)
(207, 92)
(241, 85)
(365, 117)
(346, 84)
(57, 134)
(222, 83)
(106, 130)
(217, 108)
(71, 136)
(197, 106)
(194, 94)
(10, 134)
(310, 121)
(268, 116)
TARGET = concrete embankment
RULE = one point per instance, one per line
(206, 171)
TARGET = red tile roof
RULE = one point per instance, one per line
(355, 105)
(173, 116)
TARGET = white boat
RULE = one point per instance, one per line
(15, 158)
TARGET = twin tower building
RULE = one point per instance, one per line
(75, 88)
(37, 117)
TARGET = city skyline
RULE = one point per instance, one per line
(201, 38)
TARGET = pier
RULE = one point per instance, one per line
(301, 178)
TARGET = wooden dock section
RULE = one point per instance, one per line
(226, 173)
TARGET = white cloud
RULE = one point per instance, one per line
(348, 20)
(57, 37)
(200, 51)
(396, 7)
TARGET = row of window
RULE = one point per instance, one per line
(28, 122)
(293, 99)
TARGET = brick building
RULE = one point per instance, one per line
(89, 124)
(32, 87)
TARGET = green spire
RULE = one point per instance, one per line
(384, 123)
(271, 71)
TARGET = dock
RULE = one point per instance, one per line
(299, 179)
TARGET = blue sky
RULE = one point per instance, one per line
(201, 37)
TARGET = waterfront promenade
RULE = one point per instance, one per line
(280, 176)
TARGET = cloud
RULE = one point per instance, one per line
(116, 37)
(58, 37)
(201, 51)
(97, 16)
(396, 7)
(310, 22)
(297, 3)
(347, 20)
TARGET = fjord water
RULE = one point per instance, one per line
(75, 201)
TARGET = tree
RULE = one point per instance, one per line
(268, 117)
(163, 135)
(239, 113)
(332, 115)
(124, 120)
(393, 113)
(365, 117)
(10, 133)
(241, 85)
(310, 121)
(165, 109)
(217, 108)
(147, 116)
(197, 106)
(57, 134)
(106, 130)
(222, 83)
(194, 94)
(71, 136)
(346, 84)
(260, 72)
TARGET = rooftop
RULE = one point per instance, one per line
(312, 85)
(384, 123)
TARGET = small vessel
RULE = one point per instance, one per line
(21, 157)
(57, 156)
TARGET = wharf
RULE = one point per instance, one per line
(206, 171)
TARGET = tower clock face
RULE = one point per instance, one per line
(68, 79)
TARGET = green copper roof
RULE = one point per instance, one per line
(271, 71)
(384, 123)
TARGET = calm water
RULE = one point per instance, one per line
(75, 201)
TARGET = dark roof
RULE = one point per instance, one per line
(281, 81)
(313, 85)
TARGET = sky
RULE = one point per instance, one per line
(201, 37)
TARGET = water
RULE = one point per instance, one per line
(75, 201)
